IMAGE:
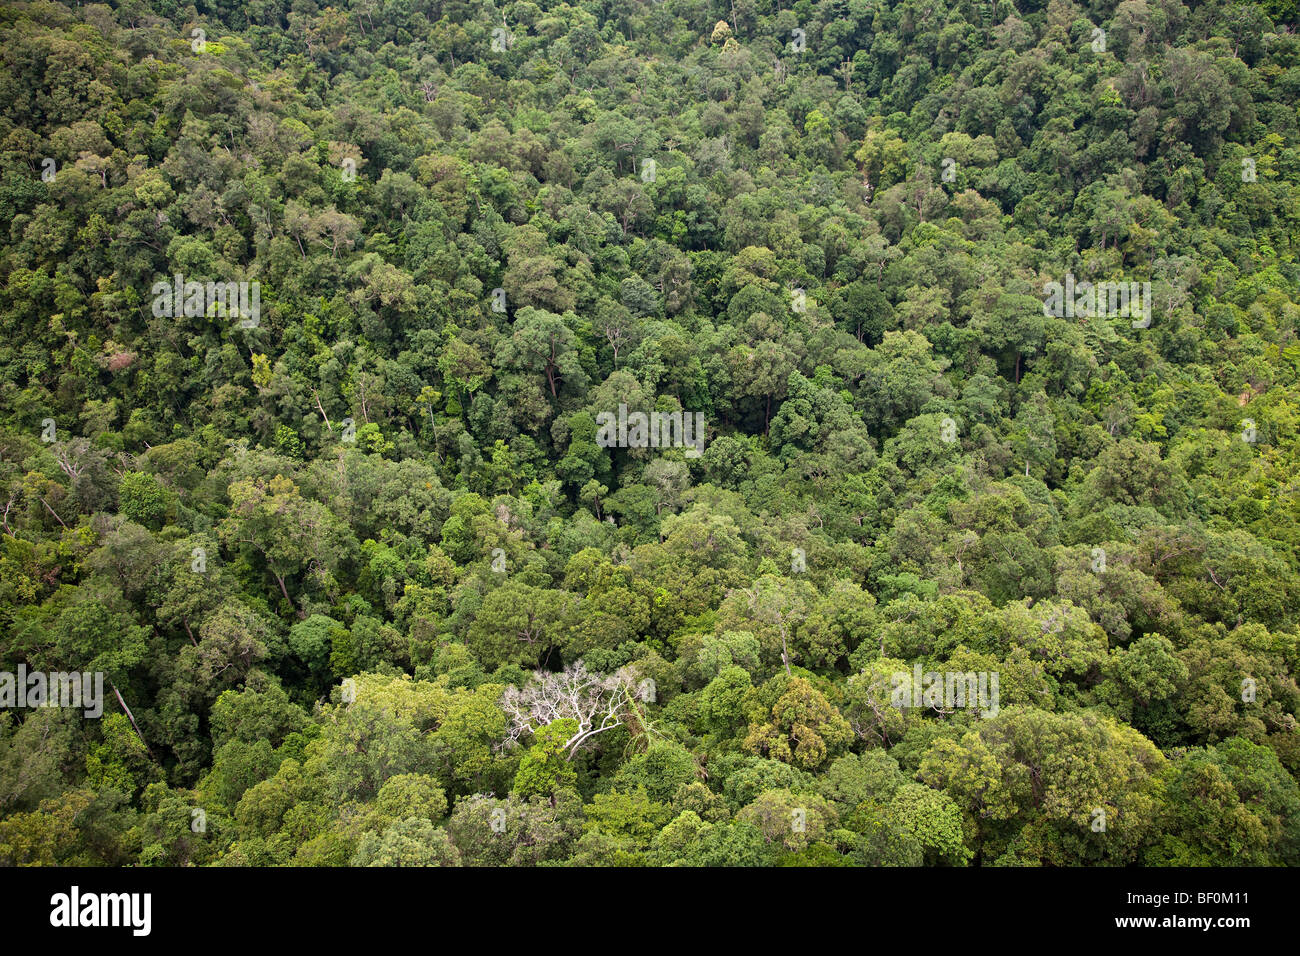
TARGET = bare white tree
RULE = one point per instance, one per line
(69, 455)
(596, 702)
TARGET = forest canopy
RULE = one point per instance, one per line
(669, 433)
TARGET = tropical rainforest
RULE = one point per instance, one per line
(365, 580)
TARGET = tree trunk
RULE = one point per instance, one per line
(285, 591)
(131, 717)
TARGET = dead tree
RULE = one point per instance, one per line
(595, 702)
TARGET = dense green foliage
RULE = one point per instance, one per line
(311, 553)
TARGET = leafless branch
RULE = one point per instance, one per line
(595, 702)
